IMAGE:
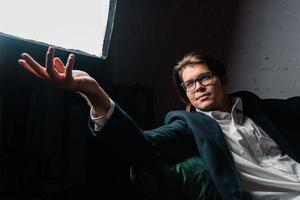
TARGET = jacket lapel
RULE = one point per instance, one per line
(215, 154)
(213, 130)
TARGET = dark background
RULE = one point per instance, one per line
(46, 151)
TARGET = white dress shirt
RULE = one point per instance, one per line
(265, 172)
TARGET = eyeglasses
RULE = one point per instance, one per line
(204, 80)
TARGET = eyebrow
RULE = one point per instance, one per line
(197, 76)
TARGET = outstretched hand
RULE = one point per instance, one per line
(63, 76)
(56, 72)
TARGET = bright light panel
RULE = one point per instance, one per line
(70, 24)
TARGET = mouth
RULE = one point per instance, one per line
(203, 97)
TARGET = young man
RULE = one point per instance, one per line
(238, 137)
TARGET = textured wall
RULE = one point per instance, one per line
(265, 50)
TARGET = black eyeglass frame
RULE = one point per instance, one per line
(201, 79)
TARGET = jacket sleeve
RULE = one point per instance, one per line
(124, 138)
(174, 142)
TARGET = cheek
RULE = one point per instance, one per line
(190, 97)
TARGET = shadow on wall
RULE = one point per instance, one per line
(137, 101)
(46, 150)
(151, 36)
(43, 130)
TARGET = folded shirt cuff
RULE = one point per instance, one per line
(100, 120)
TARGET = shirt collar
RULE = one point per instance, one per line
(236, 112)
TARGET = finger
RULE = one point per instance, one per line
(70, 66)
(49, 64)
(25, 65)
(59, 65)
(49, 57)
(35, 66)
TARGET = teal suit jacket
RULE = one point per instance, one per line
(192, 133)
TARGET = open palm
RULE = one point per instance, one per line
(60, 74)
(63, 76)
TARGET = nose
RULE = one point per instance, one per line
(199, 86)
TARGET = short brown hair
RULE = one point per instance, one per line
(213, 65)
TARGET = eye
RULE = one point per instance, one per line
(204, 77)
(189, 84)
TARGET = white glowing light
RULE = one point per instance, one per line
(69, 24)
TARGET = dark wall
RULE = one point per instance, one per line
(45, 148)
(151, 36)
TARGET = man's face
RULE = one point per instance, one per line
(209, 97)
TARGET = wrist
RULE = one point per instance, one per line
(97, 99)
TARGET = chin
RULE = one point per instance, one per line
(205, 107)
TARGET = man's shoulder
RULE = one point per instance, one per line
(180, 114)
(184, 116)
(245, 95)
